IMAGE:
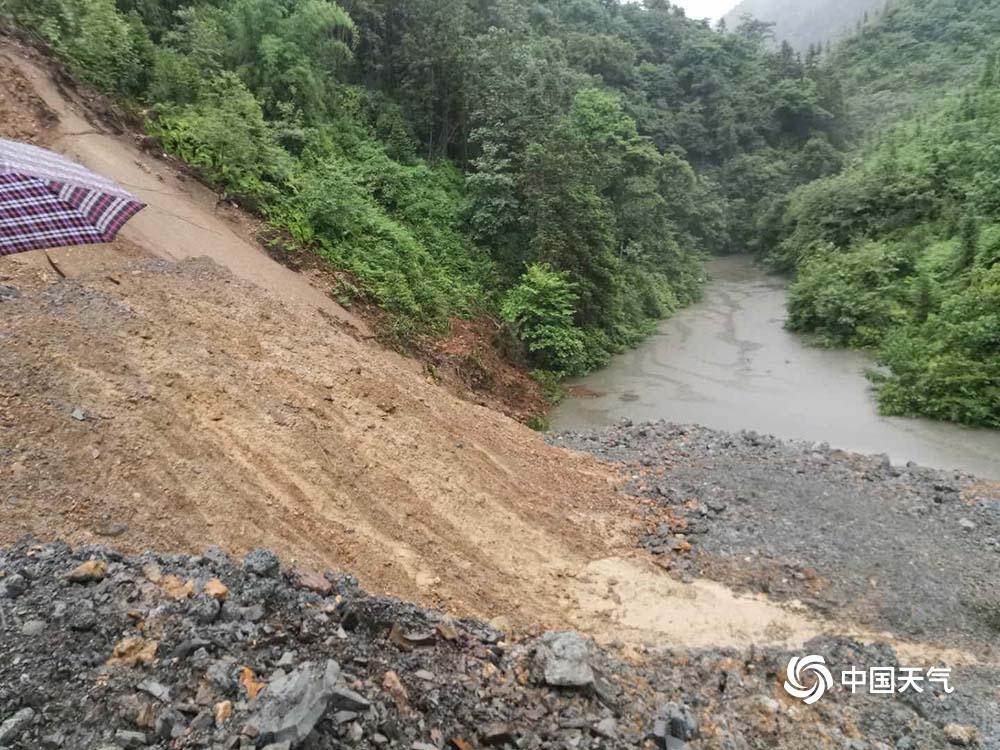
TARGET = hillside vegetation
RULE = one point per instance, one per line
(899, 252)
(563, 165)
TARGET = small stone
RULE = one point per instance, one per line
(152, 572)
(423, 746)
(79, 414)
(447, 630)
(498, 734)
(607, 728)
(146, 718)
(53, 741)
(33, 627)
(176, 587)
(564, 659)
(253, 613)
(12, 727)
(423, 674)
(222, 712)
(348, 700)
(250, 683)
(968, 525)
(203, 720)
(155, 689)
(205, 610)
(680, 721)
(312, 581)
(92, 570)
(394, 687)
(262, 562)
(216, 589)
(132, 651)
(961, 736)
(287, 659)
(83, 617)
(13, 586)
(293, 704)
(222, 674)
(129, 739)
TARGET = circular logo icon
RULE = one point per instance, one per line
(810, 669)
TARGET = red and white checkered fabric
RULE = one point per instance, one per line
(48, 201)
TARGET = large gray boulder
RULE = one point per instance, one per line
(294, 703)
(564, 660)
(12, 727)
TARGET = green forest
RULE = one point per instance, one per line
(566, 165)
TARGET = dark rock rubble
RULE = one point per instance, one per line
(99, 651)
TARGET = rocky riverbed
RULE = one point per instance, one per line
(99, 651)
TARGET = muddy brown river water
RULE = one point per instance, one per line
(728, 363)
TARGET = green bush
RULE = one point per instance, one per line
(540, 309)
(949, 366)
(106, 48)
(225, 135)
(849, 298)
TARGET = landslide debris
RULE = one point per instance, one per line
(120, 662)
(910, 550)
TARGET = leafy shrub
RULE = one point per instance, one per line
(849, 298)
(225, 135)
(104, 47)
(540, 310)
(949, 366)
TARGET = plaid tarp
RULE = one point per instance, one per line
(48, 201)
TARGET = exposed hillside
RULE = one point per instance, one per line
(806, 23)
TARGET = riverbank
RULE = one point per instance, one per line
(727, 362)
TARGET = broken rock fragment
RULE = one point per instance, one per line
(262, 562)
(92, 570)
(564, 660)
(294, 703)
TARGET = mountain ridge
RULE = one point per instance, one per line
(805, 24)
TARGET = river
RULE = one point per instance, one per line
(728, 363)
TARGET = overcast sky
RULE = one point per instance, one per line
(713, 9)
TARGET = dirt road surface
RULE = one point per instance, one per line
(181, 219)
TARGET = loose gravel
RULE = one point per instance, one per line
(906, 549)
